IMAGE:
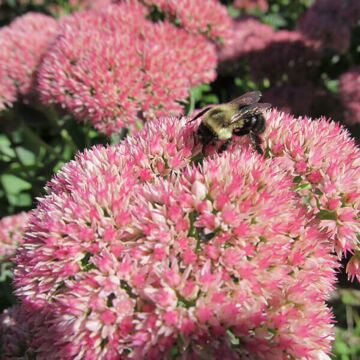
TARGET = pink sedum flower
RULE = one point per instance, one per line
(295, 99)
(23, 44)
(19, 336)
(12, 229)
(207, 17)
(287, 53)
(138, 250)
(115, 68)
(328, 22)
(252, 4)
(13, 333)
(353, 267)
(349, 85)
(324, 163)
(248, 35)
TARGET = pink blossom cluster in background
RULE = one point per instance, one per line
(23, 44)
(14, 333)
(270, 54)
(328, 22)
(12, 229)
(248, 35)
(207, 17)
(114, 67)
(287, 53)
(138, 243)
(349, 87)
(252, 4)
(292, 98)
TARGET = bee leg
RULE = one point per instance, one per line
(224, 146)
(256, 142)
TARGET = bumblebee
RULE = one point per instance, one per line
(241, 116)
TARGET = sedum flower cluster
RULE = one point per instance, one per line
(116, 68)
(208, 17)
(288, 54)
(349, 85)
(12, 229)
(329, 22)
(252, 4)
(151, 249)
(23, 44)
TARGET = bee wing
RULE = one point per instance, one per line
(201, 113)
(250, 110)
(248, 98)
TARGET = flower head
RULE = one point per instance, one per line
(350, 95)
(248, 35)
(136, 244)
(207, 17)
(323, 161)
(287, 53)
(115, 68)
(19, 332)
(12, 230)
(251, 4)
(23, 44)
(295, 99)
(328, 22)
(13, 333)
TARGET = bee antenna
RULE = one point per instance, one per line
(201, 113)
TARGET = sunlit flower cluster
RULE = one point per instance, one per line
(252, 4)
(12, 229)
(114, 67)
(207, 17)
(329, 23)
(23, 44)
(349, 85)
(145, 249)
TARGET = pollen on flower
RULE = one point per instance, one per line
(23, 44)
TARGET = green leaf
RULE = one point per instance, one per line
(341, 347)
(233, 12)
(26, 156)
(234, 340)
(5, 146)
(274, 20)
(13, 184)
(306, 186)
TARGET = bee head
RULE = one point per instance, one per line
(204, 134)
(256, 123)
